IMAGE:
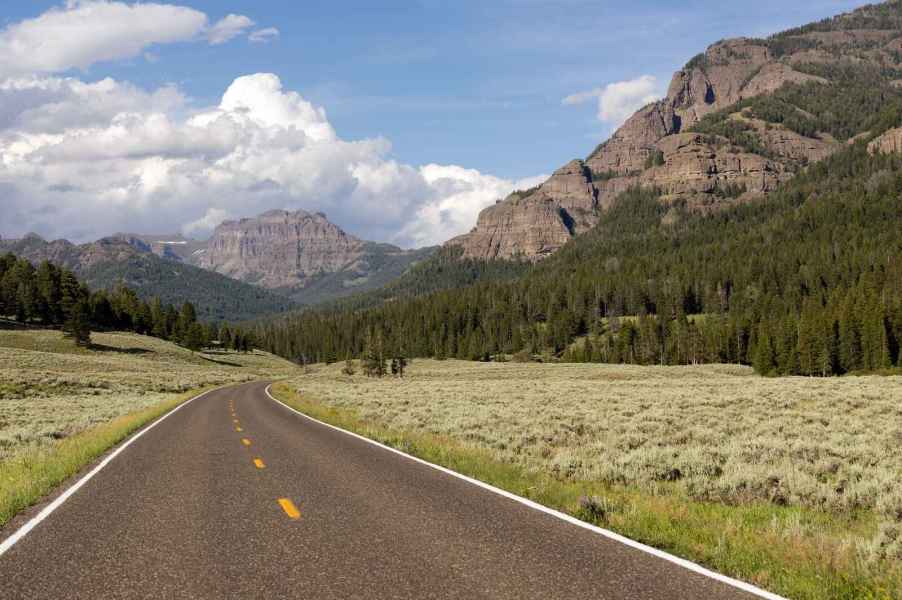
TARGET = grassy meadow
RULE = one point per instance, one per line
(62, 406)
(792, 483)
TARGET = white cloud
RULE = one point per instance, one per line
(206, 224)
(263, 36)
(81, 160)
(228, 27)
(84, 32)
(618, 101)
(459, 194)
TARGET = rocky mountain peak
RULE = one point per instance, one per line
(670, 145)
(279, 248)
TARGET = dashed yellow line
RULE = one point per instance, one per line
(245, 441)
(259, 463)
(238, 429)
(290, 509)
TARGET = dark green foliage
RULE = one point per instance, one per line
(808, 282)
(718, 125)
(655, 159)
(699, 61)
(78, 324)
(195, 337)
(374, 355)
(216, 296)
(856, 98)
(885, 15)
(445, 269)
(54, 297)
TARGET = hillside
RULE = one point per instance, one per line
(807, 281)
(737, 121)
(110, 261)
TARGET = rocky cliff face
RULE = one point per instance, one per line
(301, 254)
(279, 249)
(663, 144)
(888, 143)
(537, 222)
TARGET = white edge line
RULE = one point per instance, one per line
(48, 510)
(747, 587)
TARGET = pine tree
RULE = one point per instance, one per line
(764, 361)
(193, 339)
(78, 324)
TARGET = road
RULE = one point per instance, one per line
(236, 496)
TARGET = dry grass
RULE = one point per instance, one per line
(50, 390)
(813, 466)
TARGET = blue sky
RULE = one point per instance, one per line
(463, 85)
(470, 83)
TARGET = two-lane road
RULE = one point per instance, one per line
(236, 496)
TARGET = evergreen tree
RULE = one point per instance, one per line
(78, 323)
(193, 339)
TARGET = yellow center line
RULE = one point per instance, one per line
(259, 463)
(290, 509)
(235, 421)
(245, 441)
(238, 429)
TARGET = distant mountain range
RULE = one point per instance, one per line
(106, 262)
(247, 268)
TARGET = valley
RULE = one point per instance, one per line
(755, 477)
(672, 368)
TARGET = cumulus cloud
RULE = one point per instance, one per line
(84, 32)
(205, 224)
(107, 156)
(458, 195)
(618, 101)
(263, 36)
(228, 27)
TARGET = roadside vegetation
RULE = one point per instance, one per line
(62, 406)
(792, 484)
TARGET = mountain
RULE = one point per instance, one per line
(303, 256)
(753, 216)
(109, 261)
(737, 121)
(171, 247)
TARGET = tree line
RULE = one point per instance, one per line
(52, 296)
(807, 281)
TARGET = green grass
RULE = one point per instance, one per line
(61, 406)
(31, 475)
(795, 551)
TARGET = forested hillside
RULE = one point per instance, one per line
(109, 262)
(808, 281)
(753, 215)
(51, 296)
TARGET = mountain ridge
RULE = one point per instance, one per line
(683, 145)
(112, 260)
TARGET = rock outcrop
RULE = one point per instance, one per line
(537, 222)
(279, 249)
(657, 145)
(888, 143)
(302, 255)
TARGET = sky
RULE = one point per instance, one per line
(399, 120)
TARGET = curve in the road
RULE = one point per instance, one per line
(291, 507)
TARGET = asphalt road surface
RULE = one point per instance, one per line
(236, 496)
